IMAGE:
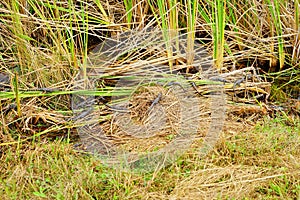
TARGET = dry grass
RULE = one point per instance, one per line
(247, 163)
(46, 46)
(260, 162)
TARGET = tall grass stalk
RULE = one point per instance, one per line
(167, 20)
(192, 13)
(70, 37)
(84, 40)
(128, 7)
(21, 39)
(173, 16)
(17, 96)
(173, 29)
(104, 14)
(274, 8)
(297, 14)
(296, 51)
(218, 26)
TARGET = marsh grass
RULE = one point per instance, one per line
(191, 15)
(167, 22)
(46, 44)
(274, 8)
(128, 6)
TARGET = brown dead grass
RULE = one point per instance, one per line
(252, 162)
(246, 163)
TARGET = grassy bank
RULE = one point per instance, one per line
(260, 162)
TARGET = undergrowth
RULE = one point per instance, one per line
(260, 162)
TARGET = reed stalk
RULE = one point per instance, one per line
(218, 17)
(192, 13)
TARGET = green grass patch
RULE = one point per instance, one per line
(263, 161)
